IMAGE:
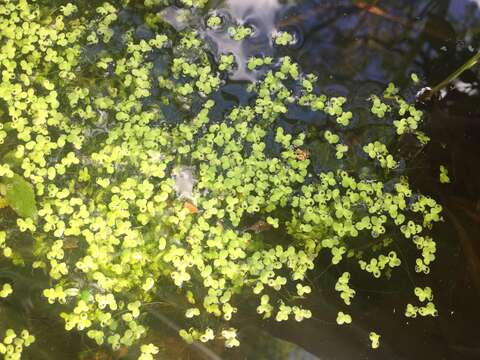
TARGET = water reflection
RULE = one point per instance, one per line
(259, 15)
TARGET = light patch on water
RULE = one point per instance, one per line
(466, 88)
(184, 182)
(263, 11)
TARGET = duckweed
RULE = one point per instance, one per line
(444, 178)
(283, 38)
(240, 32)
(214, 22)
(155, 206)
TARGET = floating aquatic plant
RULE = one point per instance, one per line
(375, 339)
(125, 206)
(283, 38)
(13, 344)
(444, 178)
(214, 22)
(240, 32)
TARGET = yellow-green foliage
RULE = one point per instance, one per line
(125, 207)
(283, 38)
(375, 339)
(240, 32)
(444, 178)
(13, 345)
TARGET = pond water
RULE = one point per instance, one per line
(356, 49)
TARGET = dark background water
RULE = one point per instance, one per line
(356, 50)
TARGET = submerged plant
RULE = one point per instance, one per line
(126, 207)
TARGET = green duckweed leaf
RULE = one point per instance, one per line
(20, 196)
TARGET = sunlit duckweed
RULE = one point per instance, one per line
(98, 176)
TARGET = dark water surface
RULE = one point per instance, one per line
(356, 50)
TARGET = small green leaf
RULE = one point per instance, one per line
(444, 178)
(20, 196)
(415, 78)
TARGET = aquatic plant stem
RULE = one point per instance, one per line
(469, 64)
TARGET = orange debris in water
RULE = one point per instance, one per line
(259, 227)
(371, 8)
(192, 209)
(301, 154)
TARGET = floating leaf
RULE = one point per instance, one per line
(415, 78)
(375, 339)
(192, 209)
(20, 196)
(444, 178)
